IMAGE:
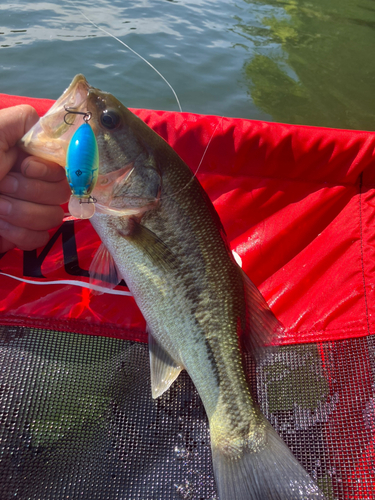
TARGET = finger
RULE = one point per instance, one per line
(20, 237)
(15, 122)
(35, 190)
(21, 155)
(5, 245)
(29, 215)
(37, 168)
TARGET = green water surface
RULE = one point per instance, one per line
(295, 61)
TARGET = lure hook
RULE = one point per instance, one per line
(71, 111)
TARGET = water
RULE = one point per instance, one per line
(305, 62)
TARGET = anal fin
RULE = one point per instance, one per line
(164, 369)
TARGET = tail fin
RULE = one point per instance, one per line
(272, 473)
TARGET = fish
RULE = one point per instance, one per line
(161, 234)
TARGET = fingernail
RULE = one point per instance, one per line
(5, 207)
(9, 184)
(35, 169)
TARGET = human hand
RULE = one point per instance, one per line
(31, 189)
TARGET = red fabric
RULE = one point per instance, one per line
(297, 204)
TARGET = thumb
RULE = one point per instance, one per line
(14, 123)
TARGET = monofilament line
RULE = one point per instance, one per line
(200, 163)
(134, 52)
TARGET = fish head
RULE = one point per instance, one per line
(129, 177)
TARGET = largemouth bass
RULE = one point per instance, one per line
(161, 233)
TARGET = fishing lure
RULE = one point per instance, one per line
(82, 167)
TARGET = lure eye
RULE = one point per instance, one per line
(110, 119)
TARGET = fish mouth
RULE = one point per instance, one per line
(49, 138)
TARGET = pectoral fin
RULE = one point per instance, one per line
(152, 245)
(103, 270)
(164, 369)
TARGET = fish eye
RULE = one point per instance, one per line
(110, 119)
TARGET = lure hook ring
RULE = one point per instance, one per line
(71, 111)
(91, 199)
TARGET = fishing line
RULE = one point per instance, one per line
(166, 81)
(133, 51)
(81, 284)
(199, 166)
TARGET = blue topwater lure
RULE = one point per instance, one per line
(82, 168)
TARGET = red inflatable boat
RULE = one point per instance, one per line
(298, 207)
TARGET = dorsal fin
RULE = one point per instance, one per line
(262, 328)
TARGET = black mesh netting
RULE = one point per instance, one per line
(78, 421)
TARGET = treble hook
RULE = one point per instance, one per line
(71, 111)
